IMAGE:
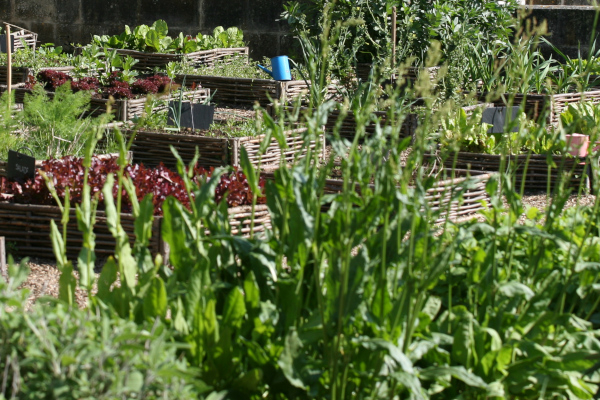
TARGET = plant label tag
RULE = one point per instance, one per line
(3, 44)
(20, 166)
(498, 117)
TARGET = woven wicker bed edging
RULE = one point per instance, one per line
(248, 91)
(536, 174)
(151, 148)
(148, 60)
(535, 104)
(27, 228)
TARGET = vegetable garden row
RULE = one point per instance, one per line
(355, 232)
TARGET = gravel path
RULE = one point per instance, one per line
(43, 281)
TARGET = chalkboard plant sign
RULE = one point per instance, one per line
(190, 115)
(20, 166)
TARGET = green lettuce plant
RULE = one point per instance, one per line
(581, 118)
(467, 133)
(155, 39)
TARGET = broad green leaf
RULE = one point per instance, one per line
(513, 288)
(460, 373)
(161, 28)
(235, 309)
(462, 345)
(222, 395)
(252, 292)
(224, 40)
(411, 383)
(155, 300)
(249, 171)
(140, 32)
(256, 353)
(209, 323)
(249, 381)
(179, 322)
(394, 352)
(108, 276)
(217, 31)
(67, 284)
(432, 306)
(179, 232)
(134, 381)
(165, 44)
(289, 357)
(153, 40)
(190, 46)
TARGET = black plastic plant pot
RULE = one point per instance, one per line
(195, 116)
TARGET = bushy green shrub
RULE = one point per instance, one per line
(54, 351)
(56, 126)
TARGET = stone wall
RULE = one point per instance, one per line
(74, 21)
(560, 2)
(569, 27)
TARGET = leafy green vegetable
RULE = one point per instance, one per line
(155, 39)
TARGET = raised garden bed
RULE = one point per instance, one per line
(27, 229)
(535, 104)
(532, 169)
(204, 57)
(20, 74)
(124, 109)
(348, 127)
(151, 148)
(247, 91)
(27, 206)
(38, 163)
(470, 185)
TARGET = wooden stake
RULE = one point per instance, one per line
(393, 36)
(8, 59)
(3, 269)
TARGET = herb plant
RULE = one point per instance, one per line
(103, 358)
(44, 56)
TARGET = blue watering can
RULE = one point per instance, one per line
(281, 68)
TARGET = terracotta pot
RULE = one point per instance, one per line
(577, 144)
